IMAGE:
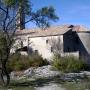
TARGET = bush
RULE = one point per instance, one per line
(19, 62)
(68, 63)
(36, 60)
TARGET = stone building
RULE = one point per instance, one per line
(64, 39)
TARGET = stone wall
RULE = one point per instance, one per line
(77, 43)
(42, 45)
(84, 45)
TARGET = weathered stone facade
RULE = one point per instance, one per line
(66, 39)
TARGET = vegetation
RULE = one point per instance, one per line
(68, 63)
(84, 85)
(19, 62)
(18, 88)
(10, 12)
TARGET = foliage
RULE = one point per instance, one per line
(68, 63)
(36, 61)
(21, 62)
(12, 13)
(83, 85)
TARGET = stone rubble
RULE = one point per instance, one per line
(73, 76)
(46, 72)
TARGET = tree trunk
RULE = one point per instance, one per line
(5, 76)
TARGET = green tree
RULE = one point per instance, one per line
(9, 11)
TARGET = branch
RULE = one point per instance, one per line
(11, 21)
(4, 27)
(28, 21)
(4, 21)
(3, 10)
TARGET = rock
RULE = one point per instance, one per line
(12, 75)
(29, 72)
(16, 74)
(73, 76)
(87, 73)
(46, 71)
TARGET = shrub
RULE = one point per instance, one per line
(36, 60)
(68, 63)
(19, 62)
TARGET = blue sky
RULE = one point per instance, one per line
(75, 12)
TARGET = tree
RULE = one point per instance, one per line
(9, 11)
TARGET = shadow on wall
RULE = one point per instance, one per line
(26, 50)
(83, 53)
(72, 43)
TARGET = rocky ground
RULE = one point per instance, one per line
(48, 72)
(51, 86)
(46, 78)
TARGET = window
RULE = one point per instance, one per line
(46, 41)
(51, 49)
(36, 51)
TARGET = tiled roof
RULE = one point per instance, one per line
(80, 28)
(55, 30)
